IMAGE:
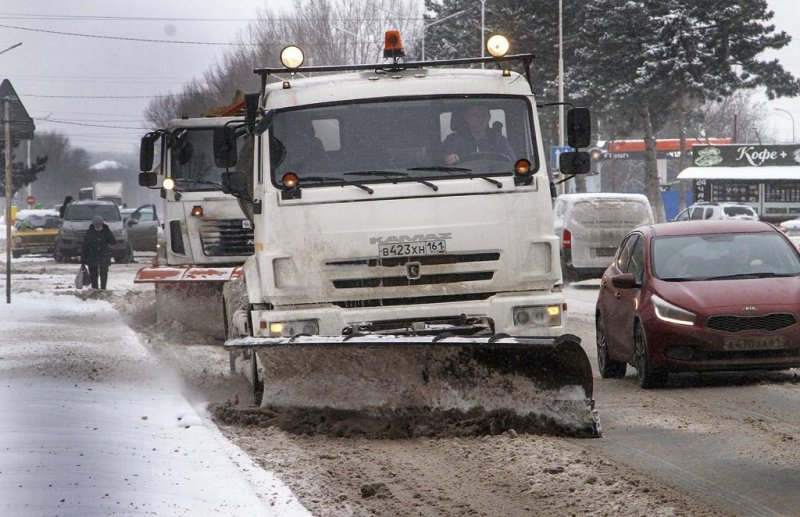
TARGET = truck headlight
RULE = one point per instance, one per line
(665, 311)
(291, 328)
(17, 240)
(538, 315)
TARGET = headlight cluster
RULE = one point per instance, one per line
(290, 328)
(665, 311)
(539, 315)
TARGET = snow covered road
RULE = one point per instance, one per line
(92, 424)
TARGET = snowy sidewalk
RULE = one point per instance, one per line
(91, 424)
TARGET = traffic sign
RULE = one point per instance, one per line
(31, 200)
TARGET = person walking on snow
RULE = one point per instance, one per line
(96, 251)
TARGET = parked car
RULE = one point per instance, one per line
(77, 218)
(144, 228)
(34, 231)
(699, 296)
(591, 226)
(717, 211)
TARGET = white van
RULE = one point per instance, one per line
(591, 227)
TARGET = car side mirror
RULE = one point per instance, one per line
(579, 127)
(147, 152)
(234, 182)
(624, 281)
(225, 147)
(575, 162)
(148, 179)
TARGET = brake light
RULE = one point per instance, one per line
(566, 239)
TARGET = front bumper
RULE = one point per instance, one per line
(675, 347)
(498, 309)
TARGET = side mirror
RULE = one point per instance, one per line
(624, 281)
(148, 179)
(234, 182)
(251, 108)
(575, 162)
(225, 147)
(146, 151)
(579, 127)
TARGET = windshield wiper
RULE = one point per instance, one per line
(761, 274)
(442, 168)
(201, 182)
(342, 181)
(392, 174)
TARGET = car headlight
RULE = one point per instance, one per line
(666, 311)
(539, 315)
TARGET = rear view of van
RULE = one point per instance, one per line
(591, 227)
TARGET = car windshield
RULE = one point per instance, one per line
(38, 221)
(723, 255)
(192, 159)
(109, 213)
(401, 140)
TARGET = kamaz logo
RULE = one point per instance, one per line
(419, 237)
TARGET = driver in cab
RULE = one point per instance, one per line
(474, 137)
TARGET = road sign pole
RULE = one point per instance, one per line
(7, 119)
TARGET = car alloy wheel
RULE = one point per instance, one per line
(649, 377)
(609, 369)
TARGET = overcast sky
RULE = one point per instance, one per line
(73, 83)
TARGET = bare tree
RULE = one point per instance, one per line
(330, 32)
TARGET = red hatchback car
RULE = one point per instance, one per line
(699, 296)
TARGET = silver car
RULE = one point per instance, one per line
(77, 218)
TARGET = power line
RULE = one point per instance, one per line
(102, 96)
(84, 124)
(121, 38)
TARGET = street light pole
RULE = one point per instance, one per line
(440, 20)
(483, 28)
(355, 43)
(560, 76)
(791, 117)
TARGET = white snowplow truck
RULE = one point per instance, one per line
(206, 235)
(390, 278)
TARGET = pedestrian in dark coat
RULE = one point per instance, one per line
(96, 251)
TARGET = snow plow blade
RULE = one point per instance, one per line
(184, 292)
(533, 385)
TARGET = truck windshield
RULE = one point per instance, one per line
(192, 159)
(434, 138)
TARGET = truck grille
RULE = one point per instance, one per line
(226, 237)
(768, 322)
(434, 270)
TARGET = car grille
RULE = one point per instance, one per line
(226, 237)
(767, 322)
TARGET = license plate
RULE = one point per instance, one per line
(408, 249)
(753, 343)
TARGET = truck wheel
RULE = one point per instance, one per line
(16, 253)
(59, 256)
